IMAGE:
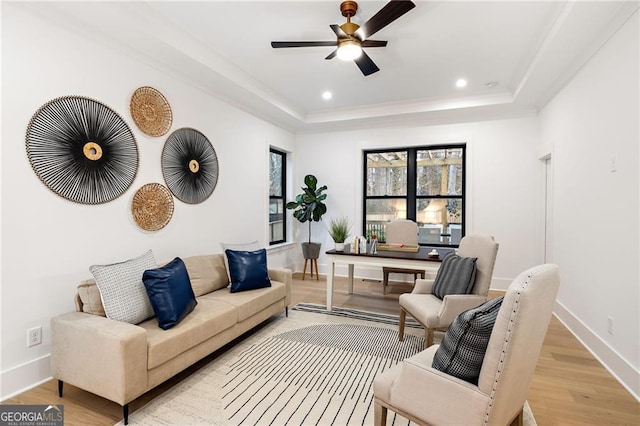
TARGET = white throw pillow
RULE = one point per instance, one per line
(250, 246)
(121, 289)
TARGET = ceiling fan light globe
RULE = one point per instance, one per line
(349, 50)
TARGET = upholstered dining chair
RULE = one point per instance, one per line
(402, 231)
(427, 395)
(435, 313)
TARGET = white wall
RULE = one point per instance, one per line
(591, 122)
(48, 243)
(503, 182)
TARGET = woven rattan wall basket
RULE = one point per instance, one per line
(152, 206)
(151, 111)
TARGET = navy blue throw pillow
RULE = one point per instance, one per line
(248, 270)
(170, 292)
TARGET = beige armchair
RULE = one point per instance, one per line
(436, 314)
(425, 395)
(401, 231)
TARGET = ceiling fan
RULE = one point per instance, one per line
(351, 37)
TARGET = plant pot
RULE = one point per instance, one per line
(311, 250)
(339, 246)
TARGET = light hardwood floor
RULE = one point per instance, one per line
(569, 387)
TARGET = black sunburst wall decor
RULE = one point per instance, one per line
(82, 150)
(189, 165)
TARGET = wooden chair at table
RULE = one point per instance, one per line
(400, 231)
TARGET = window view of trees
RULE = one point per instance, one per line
(424, 184)
(277, 188)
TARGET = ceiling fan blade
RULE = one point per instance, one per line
(332, 54)
(366, 65)
(374, 43)
(389, 13)
(281, 44)
(339, 31)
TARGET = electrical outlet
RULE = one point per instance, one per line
(34, 336)
(610, 325)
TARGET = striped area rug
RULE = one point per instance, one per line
(307, 369)
(356, 314)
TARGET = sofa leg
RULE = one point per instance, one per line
(403, 317)
(286, 311)
(125, 413)
(60, 385)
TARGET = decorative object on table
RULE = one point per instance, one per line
(82, 150)
(434, 253)
(152, 206)
(309, 207)
(151, 111)
(373, 245)
(339, 231)
(408, 248)
(362, 245)
(189, 165)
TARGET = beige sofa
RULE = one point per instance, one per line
(121, 361)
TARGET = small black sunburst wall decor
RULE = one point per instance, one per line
(189, 165)
(82, 150)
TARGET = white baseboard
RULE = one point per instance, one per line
(625, 373)
(25, 376)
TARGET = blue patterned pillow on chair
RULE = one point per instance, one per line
(464, 344)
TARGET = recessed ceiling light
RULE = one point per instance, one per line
(461, 82)
(326, 95)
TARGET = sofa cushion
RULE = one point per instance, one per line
(90, 301)
(170, 293)
(248, 270)
(207, 273)
(456, 275)
(208, 318)
(252, 301)
(465, 342)
(123, 295)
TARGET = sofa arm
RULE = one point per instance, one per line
(455, 304)
(284, 276)
(102, 356)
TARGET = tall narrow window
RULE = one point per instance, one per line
(277, 189)
(423, 184)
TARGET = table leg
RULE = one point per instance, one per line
(351, 278)
(330, 273)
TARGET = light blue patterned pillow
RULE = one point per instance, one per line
(121, 289)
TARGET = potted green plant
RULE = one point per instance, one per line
(339, 231)
(309, 207)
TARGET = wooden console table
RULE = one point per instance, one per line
(394, 259)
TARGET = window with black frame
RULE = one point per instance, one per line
(423, 184)
(277, 190)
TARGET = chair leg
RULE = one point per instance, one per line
(401, 321)
(379, 414)
(304, 269)
(60, 386)
(125, 413)
(385, 281)
(428, 338)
